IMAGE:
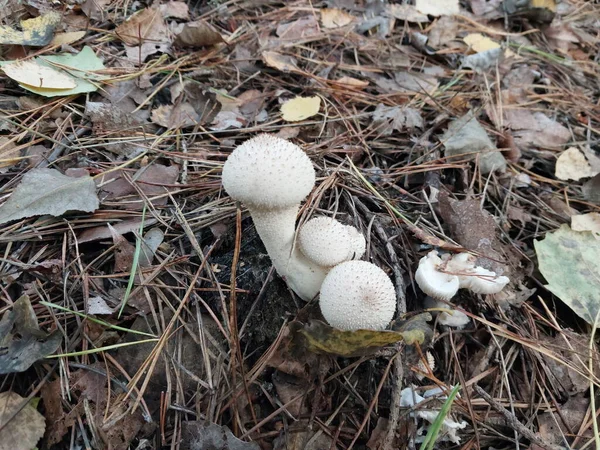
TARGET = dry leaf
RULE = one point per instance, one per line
(572, 165)
(480, 43)
(97, 306)
(300, 108)
(280, 62)
(437, 7)
(535, 129)
(67, 38)
(175, 9)
(586, 222)
(181, 115)
(353, 82)
(408, 13)
(36, 32)
(33, 74)
(47, 191)
(25, 430)
(389, 118)
(146, 25)
(299, 29)
(198, 34)
(335, 18)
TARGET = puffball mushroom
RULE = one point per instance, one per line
(271, 176)
(357, 295)
(441, 278)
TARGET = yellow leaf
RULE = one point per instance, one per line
(550, 5)
(33, 74)
(572, 165)
(437, 7)
(280, 62)
(480, 43)
(36, 32)
(300, 108)
(67, 38)
(335, 18)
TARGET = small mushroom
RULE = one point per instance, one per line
(357, 295)
(455, 319)
(271, 176)
(433, 281)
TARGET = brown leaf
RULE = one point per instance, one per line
(299, 29)
(145, 25)
(335, 18)
(124, 252)
(103, 232)
(281, 62)
(175, 9)
(25, 430)
(181, 115)
(199, 33)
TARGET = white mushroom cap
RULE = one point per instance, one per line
(432, 281)
(267, 172)
(456, 319)
(358, 295)
(483, 281)
(328, 242)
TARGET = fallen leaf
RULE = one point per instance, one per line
(480, 43)
(352, 82)
(181, 115)
(228, 119)
(568, 261)
(67, 38)
(482, 61)
(572, 414)
(145, 25)
(33, 74)
(299, 29)
(535, 129)
(300, 108)
(199, 33)
(443, 32)
(175, 9)
(36, 32)
(102, 232)
(47, 191)
(200, 435)
(152, 240)
(323, 339)
(25, 430)
(586, 222)
(437, 7)
(97, 306)
(572, 165)
(390, 118)
(280, 62)
(466, 137)
(408, 13)
(95, 9)
(489, 9)
(123, 251)
(21, 340)
(335, 18)
(57, 424)
(591, 189)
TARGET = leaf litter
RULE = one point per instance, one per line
(441, 125)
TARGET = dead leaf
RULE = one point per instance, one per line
(442, 32)
(280, 62)
(199, 33)
(102, 232)
(124, 252)
(535, 129)
(67, 38)
(353, 83)
(144, 26)
(408, 13)
(175, 9)
(302, 28)
(586, 222)
(98, 306)
(335, 18)
(572, 165)
(437, 8)
(390, 118)
(480, 43)
(181, 115)
(482, 61)
(56, 423)
(591, 189)
(25, 430)
(573, 412)
(33, 74)
(198, 435)
(152, 240)
(465, 138)
(36, 32)
(47, 191)
(228, 119)
(21, 340)
(300, 108)
(95, 9)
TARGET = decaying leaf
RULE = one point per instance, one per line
(568, 260)
(67, 38)
(408, 13)
(300, 108)
(437, 7)
(298, 29)
(47, 191)
(152, 240)
(352, 82)
(175, 9)
(36, 32)
(482, 61)
(145, 25)
(199, 435)
(280, 62)
(21, 341)
(335, 18)
(31, 73)
(480, 43)
(572, 165)
(586, 222)
(535, 129)
(591, 189)
(25, 430)
(324, 339)
(390, 118)
(181, 115)
(199, 33)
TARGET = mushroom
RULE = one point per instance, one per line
(455, 319)
(442, 277)
(271, 176)
(357, 295)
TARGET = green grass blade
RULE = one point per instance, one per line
(436, 426)
(134, 265)
(103, 349)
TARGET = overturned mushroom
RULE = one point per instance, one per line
(357, 295)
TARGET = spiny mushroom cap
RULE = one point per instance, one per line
(267, 172)
(432, 281)
(358, 295)
(327, 242)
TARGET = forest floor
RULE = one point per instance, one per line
(139, 308)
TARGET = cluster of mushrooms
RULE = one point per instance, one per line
(271, 176)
